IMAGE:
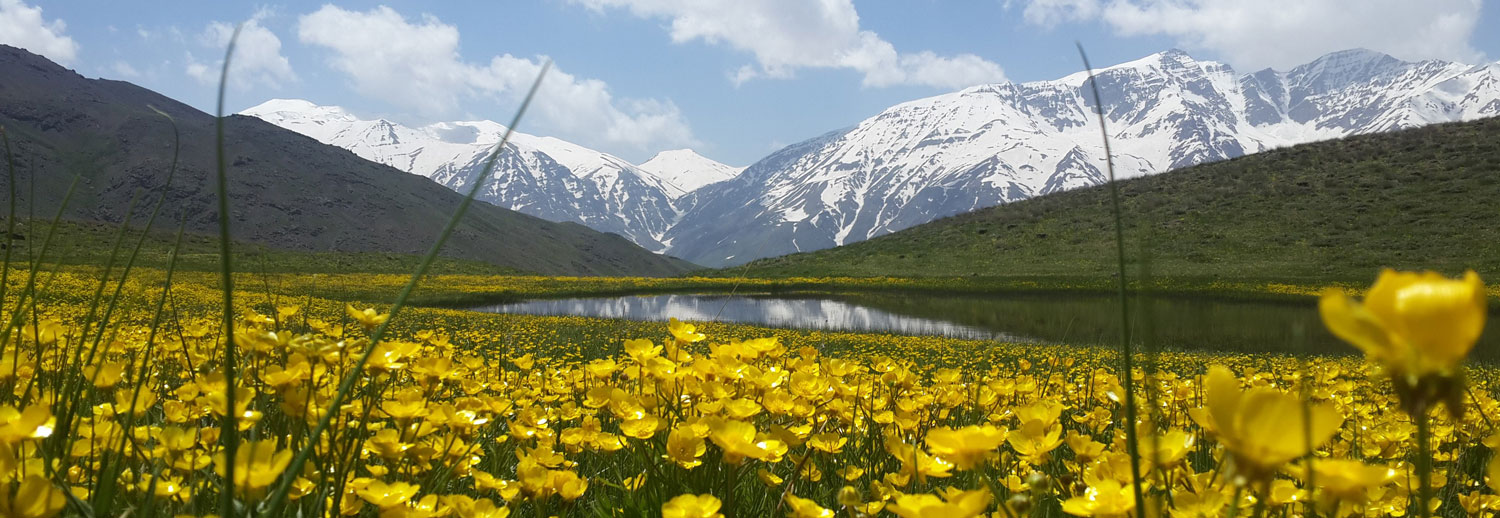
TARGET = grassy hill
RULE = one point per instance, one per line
(89, 243)
(1327, 211)
(288, 192)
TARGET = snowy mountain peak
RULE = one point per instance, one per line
(687, 170)
(543, 176)
(295, 109)
(1341, 69)
(996, 143)
(927, 158)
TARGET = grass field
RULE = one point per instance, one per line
(468, 414)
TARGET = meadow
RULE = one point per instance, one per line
(115, 403)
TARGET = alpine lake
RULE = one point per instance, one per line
(1165, 322)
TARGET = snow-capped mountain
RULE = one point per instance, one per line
(542, 176)
(996, 143)
(687, 170)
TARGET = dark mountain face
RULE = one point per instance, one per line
(287, 191)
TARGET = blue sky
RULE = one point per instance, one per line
(732, 79)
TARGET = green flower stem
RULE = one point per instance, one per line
(1424, 462)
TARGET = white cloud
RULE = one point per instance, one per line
(124, 70)
(415, 64)
(23, 26)
(1282, 33)
(257, 57)
(785, 35)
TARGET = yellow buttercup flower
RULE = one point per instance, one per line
(642, 428)
(965, 447)
(739, 439)
(1254, 424)
(684, 332)
(803, 508)
(827, 442)
(953, 504)
(257, 465)
(1412, 323)
(367, 317)
(387, 496)
(1348, 480)
(1105, 498)
(466, 507)
(692, 506)
(36, 498)
(685, 447)
(641, 351)
(1165, 449)
(1494, 474)
(33, 423)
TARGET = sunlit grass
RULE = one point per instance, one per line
(459, 412)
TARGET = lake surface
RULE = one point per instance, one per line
(1167, 322)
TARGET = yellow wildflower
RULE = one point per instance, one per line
(1413, 323)
(692, 506)
(803, 508)
(643, 428)
(965, 447)
(1105, 498)
(257, 465)
(954, 504)
(36, 498)
(685, 447)
(1494, 474)
(367, 317)
(387, 496)
(1348, 480)
(33, 423)
(1253, 424)
(683, 332)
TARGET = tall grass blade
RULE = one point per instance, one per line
(273, 504)
(1126, 350)
(16, 315)
(229, 429)
(108, 482)
(10, 220)
(141, 241)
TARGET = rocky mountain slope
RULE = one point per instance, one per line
(929, 158)
(541, 176)
(1329, 211)
(288, 191)
(998, 143)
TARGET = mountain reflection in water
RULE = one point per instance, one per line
(800, 313)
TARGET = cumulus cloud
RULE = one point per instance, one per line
(785, 35)
(416, 64)
(1282, 33)
(23, 26)
(257, 57)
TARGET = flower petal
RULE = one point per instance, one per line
(1442, 318)
(1356, 324)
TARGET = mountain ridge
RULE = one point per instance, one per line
(287, 190)
(943, 155)
(1329, 211)
(546, 177)
(997, 143)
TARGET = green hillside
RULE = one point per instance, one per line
(287, 191)
(1327, 211)
(78, 243)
